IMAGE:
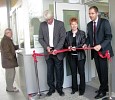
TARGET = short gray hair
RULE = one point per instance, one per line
(7, 29)
(47, 14)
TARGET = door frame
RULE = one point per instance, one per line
(83, 12)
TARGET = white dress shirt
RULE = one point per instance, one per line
(95, 22)
(51, 29)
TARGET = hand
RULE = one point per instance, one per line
(49, 49)
(73, 48)
(69, 48)
(54, 52)
(97, 47)
(84, 46)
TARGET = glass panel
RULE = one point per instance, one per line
(34, 29)
(35, 13)
(20, 27)
(67, 14)
(14, 28)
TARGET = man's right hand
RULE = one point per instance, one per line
(84, 46)
(48, 49)
(69, 48)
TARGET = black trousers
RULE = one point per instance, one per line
(77, 65)
(102, 70)
(54, 64)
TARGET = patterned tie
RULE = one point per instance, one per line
(94, 31)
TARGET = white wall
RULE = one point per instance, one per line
(46, 4)
(112, 22)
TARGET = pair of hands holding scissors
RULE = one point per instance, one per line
(96, 48)
(50, 51)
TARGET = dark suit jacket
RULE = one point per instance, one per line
(80, 40)
(103, 35)
(59, 35)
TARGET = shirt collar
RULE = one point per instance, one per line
(96, 20)
(51, 24)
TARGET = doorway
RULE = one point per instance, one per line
(63, 12)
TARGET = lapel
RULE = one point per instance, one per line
(91, 29)
(47, 30)
(70, 37)
(54, 30)
(78, 36)
(98, 26)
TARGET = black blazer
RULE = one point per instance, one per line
(103, 35)
(80, 40)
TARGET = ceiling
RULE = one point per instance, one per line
(3, 2)
(104, 1)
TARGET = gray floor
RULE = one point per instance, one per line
(6, 95)
(89, 94)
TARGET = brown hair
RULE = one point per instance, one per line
(94, 7)
(73, 19)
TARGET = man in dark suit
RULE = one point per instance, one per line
(52, 36)
(99, 36)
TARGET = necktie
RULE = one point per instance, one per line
(94, 27)
(94, 31)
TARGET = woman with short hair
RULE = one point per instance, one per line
(75, 38)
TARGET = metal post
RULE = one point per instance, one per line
(39, 95)
(110, 83)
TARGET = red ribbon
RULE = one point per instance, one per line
(107, 54)
(34, 55)
(64, 50)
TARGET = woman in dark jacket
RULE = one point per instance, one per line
(75, 39)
